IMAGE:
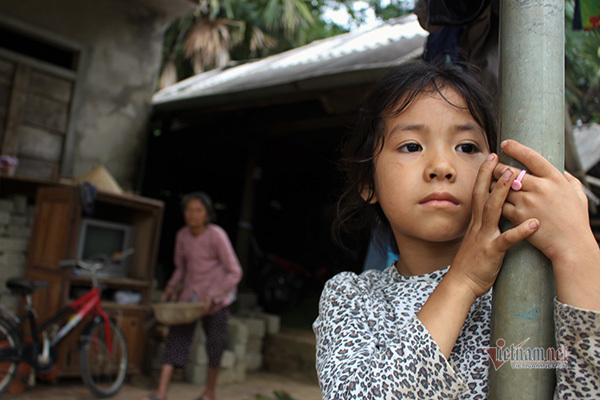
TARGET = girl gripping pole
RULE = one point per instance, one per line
(419, 162)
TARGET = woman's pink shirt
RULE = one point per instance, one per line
(206, 265)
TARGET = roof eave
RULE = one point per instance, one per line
(355, 76)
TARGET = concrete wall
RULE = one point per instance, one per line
(122, 43)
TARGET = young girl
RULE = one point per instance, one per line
(207, 269)
(419, 162)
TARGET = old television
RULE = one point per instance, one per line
(101, 237)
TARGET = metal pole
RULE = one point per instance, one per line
(531, 112)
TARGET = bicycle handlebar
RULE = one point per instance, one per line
(97, 265)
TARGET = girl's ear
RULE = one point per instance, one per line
(368, 195)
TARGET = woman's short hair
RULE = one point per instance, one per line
(206, 202)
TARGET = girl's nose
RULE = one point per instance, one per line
(440, 167)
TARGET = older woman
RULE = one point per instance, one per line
(207, 269)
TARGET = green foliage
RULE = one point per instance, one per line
(582, 71)
(255, 29)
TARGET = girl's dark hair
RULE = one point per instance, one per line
(206, 202)
(390, 97)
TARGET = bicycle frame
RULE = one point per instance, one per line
(87, 304)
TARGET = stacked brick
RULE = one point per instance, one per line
(16, 216)
(247, 333)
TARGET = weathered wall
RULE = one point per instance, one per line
(122, 43)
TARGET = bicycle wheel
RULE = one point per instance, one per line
(103, 372)
(10, 345)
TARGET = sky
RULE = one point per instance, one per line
(341, 17)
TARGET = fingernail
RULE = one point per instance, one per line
(534, 224)
(504, 143)
(490, 157)
(507, 174)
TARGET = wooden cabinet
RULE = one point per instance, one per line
(55, 232)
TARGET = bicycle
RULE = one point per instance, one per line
(103, 349)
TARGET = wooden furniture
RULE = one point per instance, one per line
(55, 230)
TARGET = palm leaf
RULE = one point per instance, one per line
(208, 43)
(168, 75)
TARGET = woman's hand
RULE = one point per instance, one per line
(557, 200)
(168, 294)
(480, 256)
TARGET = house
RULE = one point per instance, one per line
(76, 80)
(262, 138)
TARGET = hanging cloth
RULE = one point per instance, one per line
(589, 10)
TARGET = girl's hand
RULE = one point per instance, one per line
(480, 256)
(477, 261)
(557, 200)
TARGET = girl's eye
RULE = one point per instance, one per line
(410, 148)
(468, 148)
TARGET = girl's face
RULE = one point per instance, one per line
(425, 173)
(195, 214)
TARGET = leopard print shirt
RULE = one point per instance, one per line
(371, 345)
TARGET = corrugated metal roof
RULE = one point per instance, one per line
(357, 52)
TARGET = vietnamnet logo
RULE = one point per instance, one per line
(521, 357)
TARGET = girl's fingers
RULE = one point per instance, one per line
(534, 161)
(513, 236)
(509, 211)
(481, 189)
(577, 185)
(493, 206)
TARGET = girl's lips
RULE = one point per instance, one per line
(442, 199)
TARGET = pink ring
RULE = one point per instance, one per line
(517, 185)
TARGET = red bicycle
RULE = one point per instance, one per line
(103, 349)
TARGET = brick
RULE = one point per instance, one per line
(12, 265)
(30, 212)
(240, 370)
(231, 375)
(16, 231)
(239, 350)
(4, 217)
(20, 204)
(7, 205)
(12, 302)
(196, 373)
(19, 220)
(254, 362)
(199, 336)
(11, 271)
(254, 345)
(238, 332)
(12, 257)
(198, 354)
(247, 300)
(272, 321)
(13, 244)
(226, 376)
(256, 327)
(227, 359)
(293, 353)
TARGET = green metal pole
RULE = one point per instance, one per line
(531, 112)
